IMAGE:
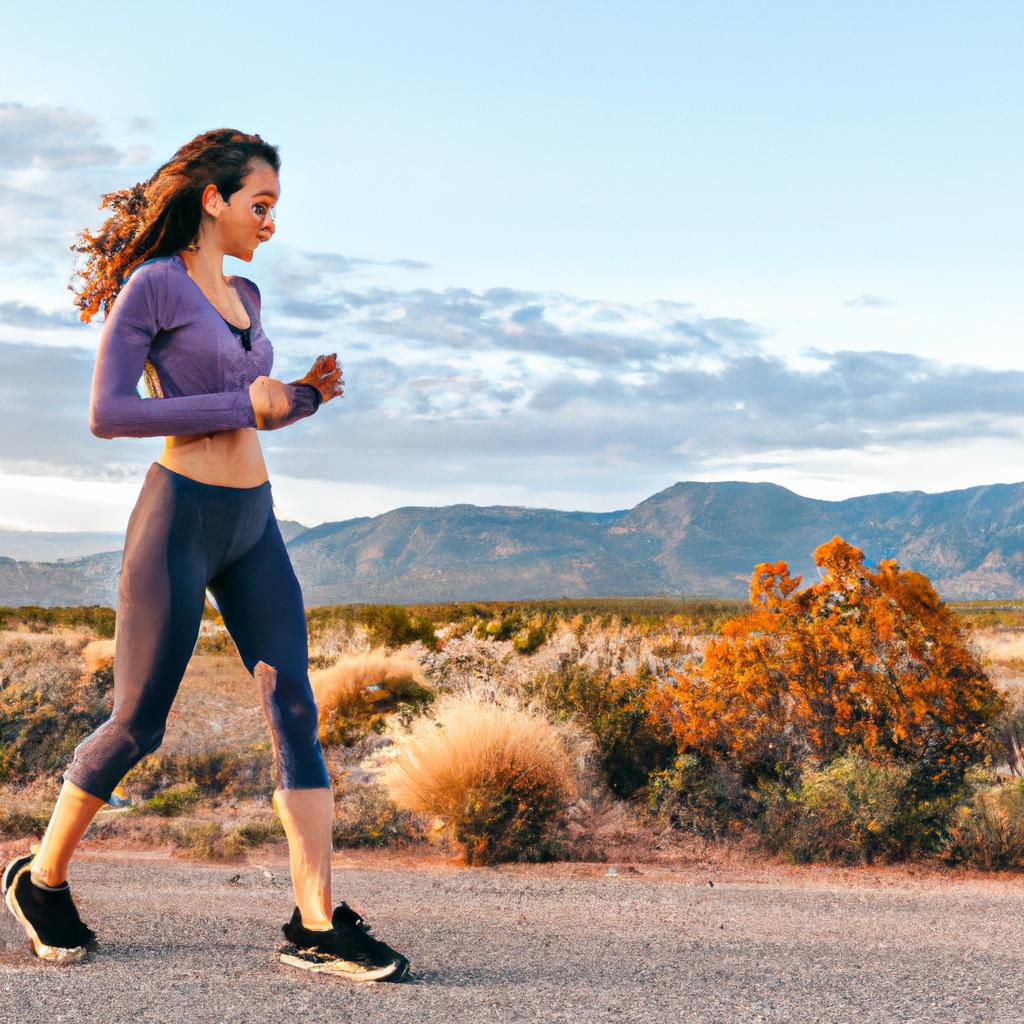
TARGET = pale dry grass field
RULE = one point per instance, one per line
(1002, 655)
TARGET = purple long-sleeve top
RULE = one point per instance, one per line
(162, 326)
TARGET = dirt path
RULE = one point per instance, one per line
(184, 942)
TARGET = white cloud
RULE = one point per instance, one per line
(529, 396)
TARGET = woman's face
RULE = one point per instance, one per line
(246, 221)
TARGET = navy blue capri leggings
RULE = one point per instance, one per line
(184, 536)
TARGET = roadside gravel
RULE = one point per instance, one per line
(184, 942)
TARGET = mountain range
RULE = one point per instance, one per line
(693, 538)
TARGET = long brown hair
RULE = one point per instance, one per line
(161, 216)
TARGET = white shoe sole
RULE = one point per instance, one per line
(308, 960)
(52, 954)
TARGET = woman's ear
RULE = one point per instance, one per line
(212, 201)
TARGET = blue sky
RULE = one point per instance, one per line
(568, 253)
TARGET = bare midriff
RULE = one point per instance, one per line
(227, 458)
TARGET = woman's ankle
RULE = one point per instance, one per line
(317, 926)
(47, 877)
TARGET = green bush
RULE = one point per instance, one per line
(630, 743)
(392, 625)
(209, 840)
(529, 639)
(256, 833)
(174, 801)
(204, 841)
(94, 618)
(501, 628)
(853, 810)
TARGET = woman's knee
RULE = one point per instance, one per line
(298, 717)
(296, 721)
(105, 756)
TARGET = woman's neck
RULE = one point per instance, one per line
(206, 267)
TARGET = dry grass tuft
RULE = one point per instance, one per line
(356, 693)
(357, 677)
(496, 775)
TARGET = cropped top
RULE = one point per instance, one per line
(163, 327)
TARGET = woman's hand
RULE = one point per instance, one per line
(277, 404)
(325, 376)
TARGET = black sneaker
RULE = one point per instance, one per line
(332, 952)
(345, 918)
(49, 916)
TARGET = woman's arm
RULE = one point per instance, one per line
(117, 410)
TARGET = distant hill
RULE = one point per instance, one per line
(50, 546)
(692, 538)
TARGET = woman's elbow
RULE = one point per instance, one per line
(99, 423)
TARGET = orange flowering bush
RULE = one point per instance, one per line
(865, 662)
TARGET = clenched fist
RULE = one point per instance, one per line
(326, 377)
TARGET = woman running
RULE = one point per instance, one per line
(204, 519)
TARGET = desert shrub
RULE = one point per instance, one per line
(988, 832)
(852, 810)
(98, 655)
(692, 615)
(209, 840)
(215, 642)
(47, 707)
(206, 840)
(47, 665)
(704, 796)
(501, 628)
(392, 625)
(16, 822)
(495, 774)
(365, 816)
(174, 801)
(357, 694)
(632, 742)
(531, 636)
(251, 834)
(240, 773)
(867, 662)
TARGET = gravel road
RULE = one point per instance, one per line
(184, 942)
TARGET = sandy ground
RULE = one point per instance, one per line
(184, 941)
